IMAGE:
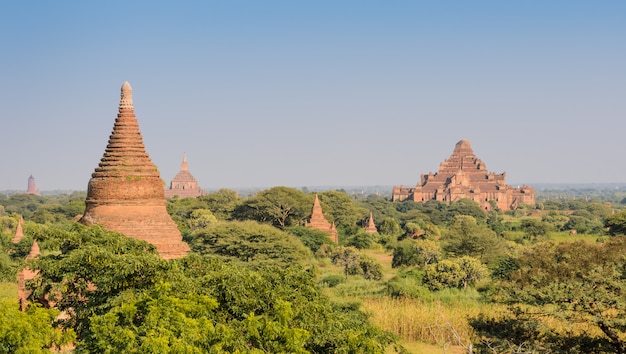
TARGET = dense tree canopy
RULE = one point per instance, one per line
(121, 297)
(250, 242)
(279, 206)
(581, 285)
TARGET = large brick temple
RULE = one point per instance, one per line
(463, 175)
(125, 193)
(184, 184)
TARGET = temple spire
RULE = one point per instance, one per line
(184, 166)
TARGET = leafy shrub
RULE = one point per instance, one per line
(312, 238)
(332, 280)
(362, 240)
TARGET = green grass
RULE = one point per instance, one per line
(564, 236)
(8, 291)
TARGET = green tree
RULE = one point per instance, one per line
(347, 258)
(576, 283)
(616, 223)
(121, 297)
(388, 226)
(221, 203)
(444, 274)
(361, 240)
(466, 238)
(279, 206)
(416, 252)
(312, 238)
(200, 218)
(534, 228)
(466, 207)
(30, 331)
(369, 268)
(473, 270)
(249, 242)
(93, 265)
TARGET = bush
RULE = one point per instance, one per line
(332, 280)
(361, 240)
(370, 268)
(312, 238)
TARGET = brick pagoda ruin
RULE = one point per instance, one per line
(184, 184)
(125, 193)
(319, 222)
(463, 175)
(371, 227)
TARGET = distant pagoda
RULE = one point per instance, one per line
(184, 184)
(465, 176)
(371, 227)
(32, 188)
(125, 193)
(319, 222)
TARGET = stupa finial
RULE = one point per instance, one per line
(126, 97)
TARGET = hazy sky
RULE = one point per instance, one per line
(315, 93)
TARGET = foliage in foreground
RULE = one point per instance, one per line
(567, 297)
(31, 331)
(121, 297)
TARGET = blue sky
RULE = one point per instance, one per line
(314, 93)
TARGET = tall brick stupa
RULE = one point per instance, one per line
(125, 193)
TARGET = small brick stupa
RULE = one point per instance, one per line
(319, 222)
(125, 193)
(27, 274)
(184, 184)
(19, 232)
(371, 227)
